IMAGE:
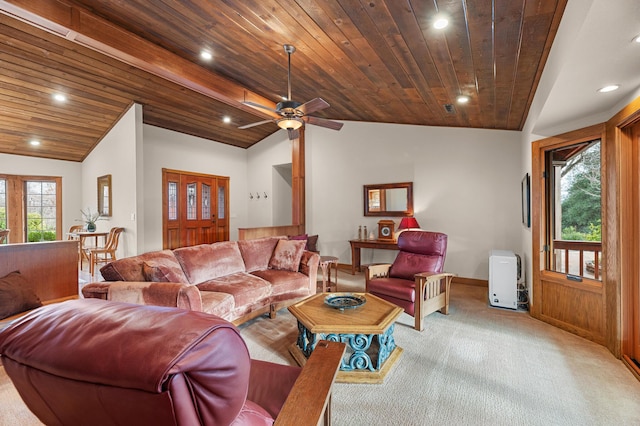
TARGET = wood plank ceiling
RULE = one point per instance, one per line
(373, 61)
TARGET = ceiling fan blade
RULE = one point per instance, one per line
(255, 105)
(293, 134)
(246, 126)
(323, 122)
(313, 105)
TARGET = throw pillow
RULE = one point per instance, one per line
(312, 243)
(287, 255)
(16, 295)
(161, 273)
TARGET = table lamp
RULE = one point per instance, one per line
(408, 223)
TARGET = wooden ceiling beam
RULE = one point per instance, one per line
(83, 27)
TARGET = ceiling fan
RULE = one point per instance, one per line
(293, 114)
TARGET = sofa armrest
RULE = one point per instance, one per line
(309, 266)
(310, 397)
(96, 290)
(176, 295)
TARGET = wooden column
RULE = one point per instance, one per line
(297, 180)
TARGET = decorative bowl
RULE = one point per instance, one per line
(344, 301)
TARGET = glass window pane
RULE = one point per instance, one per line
(206, 201)
(192, 204)
(575, 210)
(173, 200)
(41, 210)
(221, 202)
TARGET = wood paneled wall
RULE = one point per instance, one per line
(269, 231)
(50, 267)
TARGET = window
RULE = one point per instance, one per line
(41, 210)
(35, 207)
(574, 240)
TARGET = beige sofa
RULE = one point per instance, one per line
(235, 280)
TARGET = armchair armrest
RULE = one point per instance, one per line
(432, 294)
(176, 295)
(434, 276)
(310, 396)
(380, 270)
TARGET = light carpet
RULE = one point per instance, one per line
(477, 366)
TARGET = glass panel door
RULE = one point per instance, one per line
(41, 210)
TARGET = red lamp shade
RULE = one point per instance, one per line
(408, 223)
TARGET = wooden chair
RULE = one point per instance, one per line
(104, 254)
(71, 235)
(4, 236)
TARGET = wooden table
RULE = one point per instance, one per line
(356, 245)
(367, 331)
(83, 235)
(327, 263)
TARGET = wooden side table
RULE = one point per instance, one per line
(356, 245)
(327, 263)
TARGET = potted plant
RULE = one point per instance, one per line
(90, 218)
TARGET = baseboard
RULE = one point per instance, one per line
(470, 281)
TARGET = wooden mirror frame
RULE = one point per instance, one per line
(104, 183)
(368, 211)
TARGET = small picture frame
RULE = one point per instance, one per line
(525, 187)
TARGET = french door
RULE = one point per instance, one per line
(195, 208)
(31, 207)
(569, 286)
(632, 347)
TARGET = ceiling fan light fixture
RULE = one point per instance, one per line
(289, 123)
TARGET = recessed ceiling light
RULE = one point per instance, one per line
(59, 97)
(637, 38)
(440, 23)
(609, 88)
(206, 55)
(226, 119)
(34, 142)
(462, 99)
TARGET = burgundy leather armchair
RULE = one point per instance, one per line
(101, 363)
(415, 281)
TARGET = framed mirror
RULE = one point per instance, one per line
(104, 195)
(388, 199)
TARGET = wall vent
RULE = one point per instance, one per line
(449, 108)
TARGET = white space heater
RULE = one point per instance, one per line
(503, 279)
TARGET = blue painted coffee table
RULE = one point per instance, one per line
(366, 330)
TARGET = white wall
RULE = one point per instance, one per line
(261, 158)
(70, 171)
(118, 155)
(466, 184)
(177, 151)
